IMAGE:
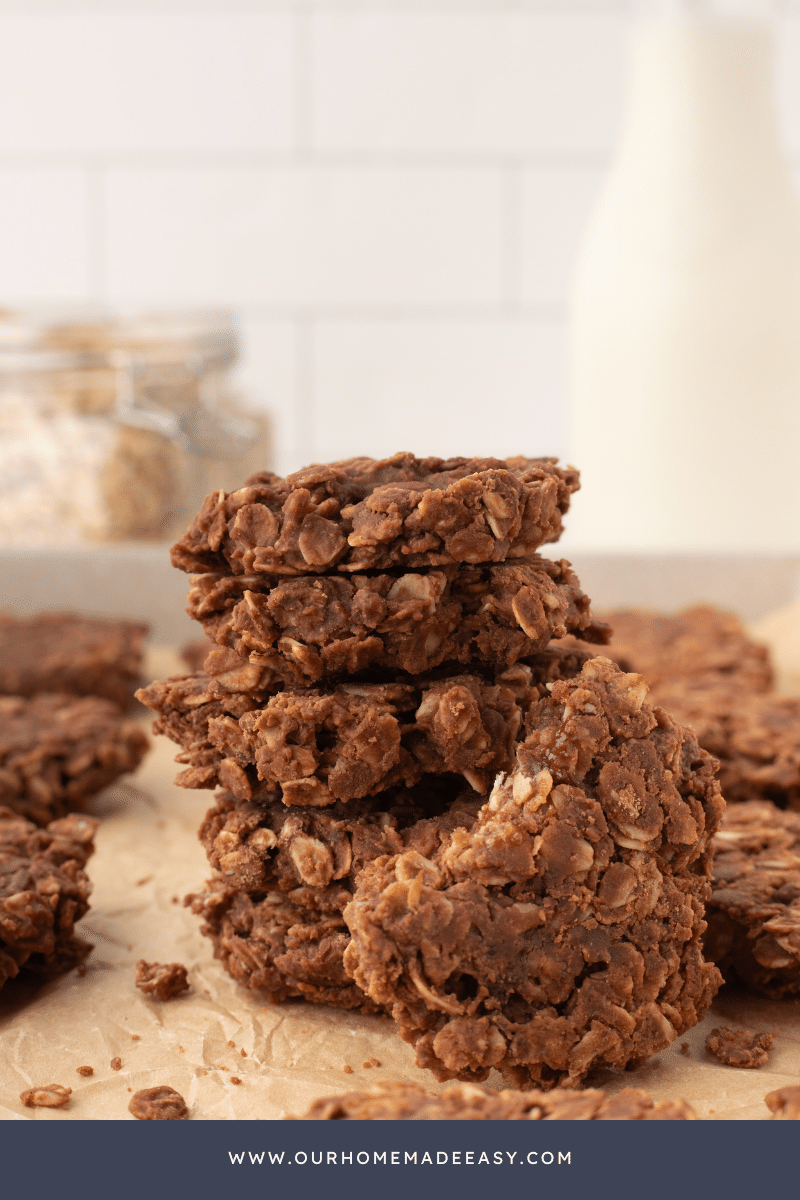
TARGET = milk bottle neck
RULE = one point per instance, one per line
(700, 100)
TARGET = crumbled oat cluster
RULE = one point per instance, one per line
(739, 1047)
(57, 751)
(466, 1102)
(158, 1104)
(165, 981)
(43, 892)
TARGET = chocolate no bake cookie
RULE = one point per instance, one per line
(341, 742)
(299, 630)
(372, 514)
(701, 644)
(754, 911)
(57, 751)
(274, 911)
(44, 890)
(707, 672)
(64, 652)
(466, 1102)
(560, 932)
(755, 737)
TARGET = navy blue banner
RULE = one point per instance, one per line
(567, 1160)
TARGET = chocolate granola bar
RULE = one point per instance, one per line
(560, 932)
(466, 1102)
(754, 911)
(373, 514)
(64, 652)
(341, 742)
(57, 751)
(299, 630)
(44, 890)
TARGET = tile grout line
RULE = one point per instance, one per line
(511, 241)
(96, 231)
(302, 84)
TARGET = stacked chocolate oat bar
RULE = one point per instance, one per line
(429, 807)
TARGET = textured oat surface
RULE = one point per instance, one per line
(57, 751)
(297, 631)
(64, 652)
(147, 853)
(366, 513)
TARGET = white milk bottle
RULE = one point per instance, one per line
(685, 344)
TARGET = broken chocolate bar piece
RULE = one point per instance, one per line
(466, 1102)
(754, 911)
(562, 931)
(296, 631)
(372, 514)
(57, 751)
(44, 890)
(65, 652)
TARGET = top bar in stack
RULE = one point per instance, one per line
(367, 514)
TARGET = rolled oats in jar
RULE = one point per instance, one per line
(113, 429)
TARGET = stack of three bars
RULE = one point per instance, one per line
(382, 654)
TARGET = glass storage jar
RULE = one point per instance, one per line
(114, 428)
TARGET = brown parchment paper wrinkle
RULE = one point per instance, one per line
(147, 855)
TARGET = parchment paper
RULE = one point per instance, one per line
(148, 857)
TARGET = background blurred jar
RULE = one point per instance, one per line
(113, 429)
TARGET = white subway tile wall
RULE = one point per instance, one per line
(390, 193)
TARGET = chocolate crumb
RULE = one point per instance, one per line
(376, 1062)
(135, 1037)
(784, 1103)
(158, 1104)
(175, 900)
(243, 1053)
(116, 1064)
(738, 1047)
(165, 981)
(232, 1045)
(348, 1070)
(685, 1049)
(366, 1065)
(142, 882)
(86, 1071)
(54, 1095)
(235, 1079)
